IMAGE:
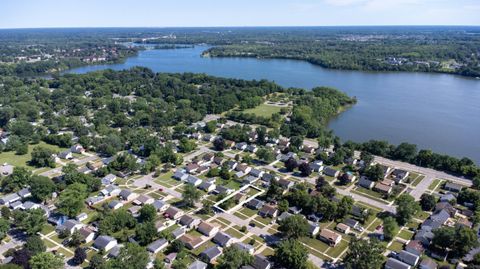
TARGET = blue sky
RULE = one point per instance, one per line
(162, 13)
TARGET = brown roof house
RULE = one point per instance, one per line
(330, 237)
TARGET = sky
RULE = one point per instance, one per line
(198, 13)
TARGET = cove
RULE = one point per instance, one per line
(435, 111)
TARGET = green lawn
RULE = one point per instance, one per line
(234, 232)
(22, 160)
(396, 246)
(248, 212)
(434, 184)
(418, 180)
(370, 194)
(314, 243)
(338, 249)
(404, 234)
(263, 110)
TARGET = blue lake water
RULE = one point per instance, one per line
(435, 111)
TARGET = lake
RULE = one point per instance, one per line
(435, 111)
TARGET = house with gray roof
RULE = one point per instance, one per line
(160, 205)
(245, 247)
(453, 187)
(198, 265)
(179, 175)
(396, 264)
(128, 195)
(223, 239)
(211, 254)
(24, 193)
(408, 258)
(9, 198)
(207, 186)
(105, 242)
(157, 245)
(261, 262)
(255, 204)
(115, 204)
(328, 171)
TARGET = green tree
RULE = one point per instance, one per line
(30, 221)
(234, 258)
(19, 178)
(42, 157)
(374, 172)
(406, 208)
(46, 260)
(97, 261)
(190, 195)
(185, 145)
(344, 207)
(72, 200)
(283, 205)
(79, 256)
(390, 228)
(147, 213)
(458, 239)
(4, 228)
(295, 226)
(145, 233)
(35, 245)
(42, 187)
(132, 256)
(364, 254)
(428, 202)
(291, 254)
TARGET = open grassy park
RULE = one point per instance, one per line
(22, 160)
(263, 110)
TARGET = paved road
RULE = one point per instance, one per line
(17, 239)
(148, 179)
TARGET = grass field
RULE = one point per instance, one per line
(22, 160)
(263, 110)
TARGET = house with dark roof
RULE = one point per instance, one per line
(207, 229)
(157, 245)
(128, 195)
(453, 187)
(189, 221)
(257, 173)
(408, 258)
(261, 262)
(415, 247)
(268, 211)
(396, 264)
(173, 213)
(207, 186)
(365, 182)
(105, 243)
(255, 204)
(179, 175)
(400, 175)
(223, 239)
(211, 254)
(328, 171)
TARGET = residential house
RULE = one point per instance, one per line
(229, 143)
(245, 247)
(255, 204)
(243, 168)
(267, 177)
(143, 199)
(173, 213)
(190, 241)
(313, 229)
(415, 247)
(396, 264)
(268, 211)
(81, 217)
(178, 232)
(195, 181)
(24, 193)
(427, 263)
(6, 169)
(400, 175)
(66, 155)
(157, 245)
(105, 243)
(261, 262)
(330, 237)
(128, 195)
(207, 186)
(283, 216)
(408, 258)
(207, 229)
(77, 148)
(94, 166)
(252, 148)
(87, 234)
(189, 221)
(308, 149)
(94, 200)
(316, 166)
(386, 170)
(239, 174)
(328, 171)
(257, 173)
(179, 175)
(115, 204)
(365, 182)
(198, 265)
(385, 189)
(241, 146)
(239, 198)
(192, 168)
(453, 187)
(110, 191)
(285, 183)
(211, 254)
(351, 223)
(9, 199)
(249, 180)
(160, 205)
(223, 239)
(343, 228)
(232, 165)
(223, 190)
(109, 179)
